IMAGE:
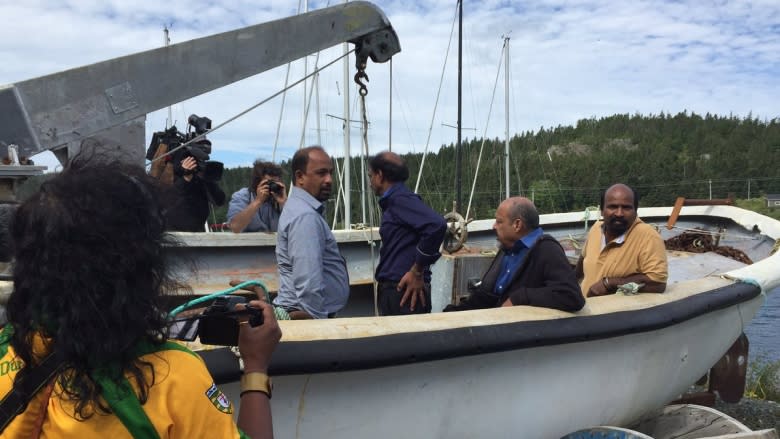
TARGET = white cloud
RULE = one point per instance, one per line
(569, 60)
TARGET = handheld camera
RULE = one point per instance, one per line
(218, 324)
(273, 186)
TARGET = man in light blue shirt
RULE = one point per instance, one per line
(256, 208)
(313, 280)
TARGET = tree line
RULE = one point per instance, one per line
(565, 168)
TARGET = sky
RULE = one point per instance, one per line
(568, 60)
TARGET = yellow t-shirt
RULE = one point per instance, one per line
(642, 251)
(183, 402)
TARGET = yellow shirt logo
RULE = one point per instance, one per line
(219, 399)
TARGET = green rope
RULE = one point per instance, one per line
(280, 313)
(586, 215)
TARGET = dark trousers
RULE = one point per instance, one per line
(390, 300)
(290, 309)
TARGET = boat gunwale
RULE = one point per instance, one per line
(340, 355)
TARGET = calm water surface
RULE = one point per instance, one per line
(764, 331)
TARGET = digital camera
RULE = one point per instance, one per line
(218, 324)
(274, 187)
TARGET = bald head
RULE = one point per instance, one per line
(524, 209)
(391, 157)
(618, 210)
(622, 190)
(392, 167)
(515, 218)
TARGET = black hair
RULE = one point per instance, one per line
(301, 159)
(261, 169)
(393, 171)
(89, 276)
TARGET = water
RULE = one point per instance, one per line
(764, 331)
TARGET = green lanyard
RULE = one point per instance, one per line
(123, 400)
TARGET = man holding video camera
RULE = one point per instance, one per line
(195, 181)
(256, 208)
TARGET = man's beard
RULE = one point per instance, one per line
(617, 226)
(324, 194)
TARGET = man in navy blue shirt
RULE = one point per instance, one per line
(411, 235)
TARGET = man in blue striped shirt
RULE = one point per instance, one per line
(313, 280)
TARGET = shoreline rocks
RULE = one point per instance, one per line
(756, 414)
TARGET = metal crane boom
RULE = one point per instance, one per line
(62, 109)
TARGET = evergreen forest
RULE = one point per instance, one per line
(565, 168)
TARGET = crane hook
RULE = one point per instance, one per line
(361, 74)
(363, 90)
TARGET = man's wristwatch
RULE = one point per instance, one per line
(256, 382)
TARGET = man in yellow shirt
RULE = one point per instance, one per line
(621, 248)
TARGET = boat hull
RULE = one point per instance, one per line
(543, 392)
(519, 371)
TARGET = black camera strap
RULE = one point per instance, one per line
(24, 389)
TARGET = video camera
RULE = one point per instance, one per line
(218, 324)
(199, 150)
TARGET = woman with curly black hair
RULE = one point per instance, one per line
(89, 275)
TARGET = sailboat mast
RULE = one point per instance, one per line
(458, 153)
(167, 42)
(345, 184)
(390, 111)
(305, 106)
(506, 113)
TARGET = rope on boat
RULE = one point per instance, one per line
(280, 313)
(701, 241)
(721, 234)
(577, 243)
(775, 247)
(484, 139)
(436, 103)
(586, 216)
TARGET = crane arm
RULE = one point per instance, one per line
(50, 111)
